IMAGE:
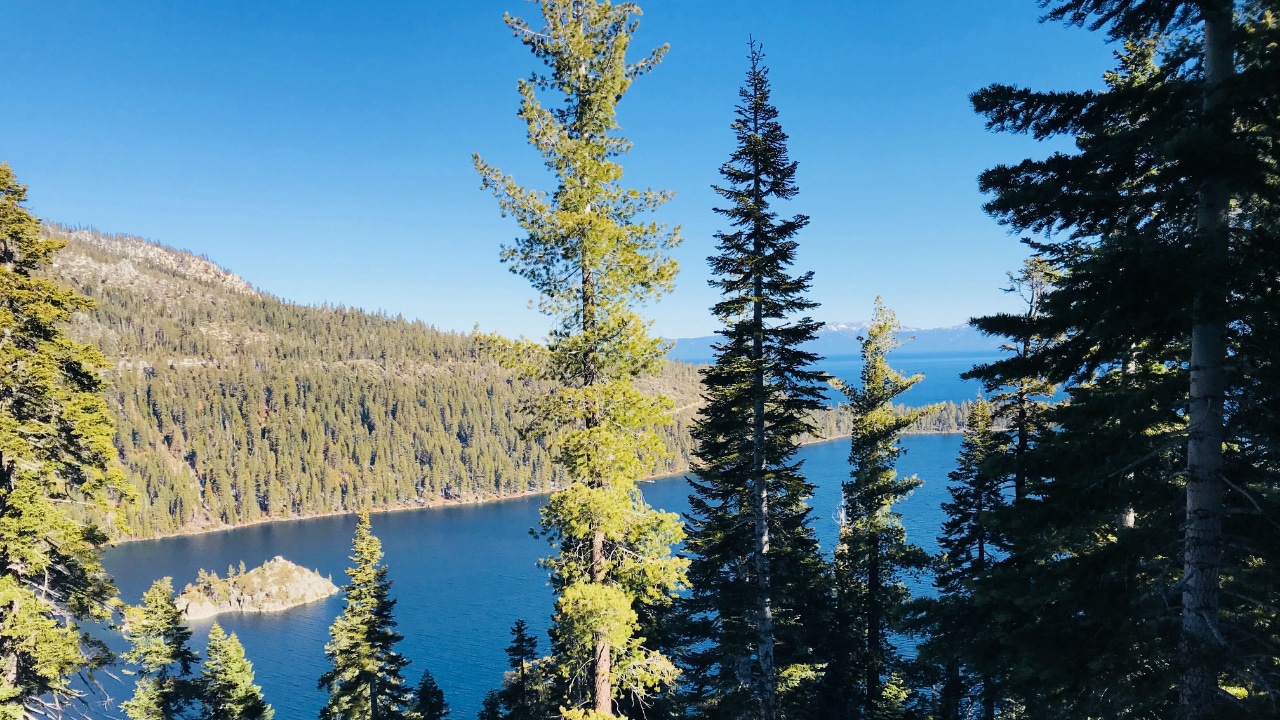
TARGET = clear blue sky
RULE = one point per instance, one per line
(322, 149)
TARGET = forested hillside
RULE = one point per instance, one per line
(233, 406)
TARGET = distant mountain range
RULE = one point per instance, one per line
(840, 339)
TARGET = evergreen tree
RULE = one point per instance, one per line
(958, 624)
(523, 695)
(57, 466)
(757, 577)
(866, 679)
(227, 691)
(1016, 384)
(428, 700)
(522, 653)
(1156, 229)
(365, 681)
(158, 647)
(592, 263)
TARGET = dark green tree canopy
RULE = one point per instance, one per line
(1158, 233)
(428, 700)
(758, 581)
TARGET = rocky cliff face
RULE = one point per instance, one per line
(277, 585)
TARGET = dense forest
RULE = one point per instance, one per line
(233, 406)
(1110, 544)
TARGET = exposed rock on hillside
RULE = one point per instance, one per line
(277, 585)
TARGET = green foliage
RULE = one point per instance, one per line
(1016, 382)
(1139, 558)
(428, 700)
(592, 263)
(756, 611)
(227, 691)
(365, 679)
(530, 688)
(959, 625)
(57, 466)
(865, 679)
(233, 406)
(158, 639)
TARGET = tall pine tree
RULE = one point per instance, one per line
(523, 693)
(592, 263)
(873, 556)
(57, 468)
(958, 623)
(158, 639)
(366, 680)
(758, 582)
(227, 691)
(1153, 226)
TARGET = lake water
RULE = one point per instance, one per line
(941, 371)
(463, 574)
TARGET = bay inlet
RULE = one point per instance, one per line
(463, 574)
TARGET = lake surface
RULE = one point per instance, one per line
(463, 574)
(941, 371)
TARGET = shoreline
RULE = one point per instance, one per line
(431, 504)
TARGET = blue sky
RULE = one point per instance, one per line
(322, 149)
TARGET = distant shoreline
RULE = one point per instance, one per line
(430, 504)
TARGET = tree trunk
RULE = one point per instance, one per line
(602, 682)
(601, 666)
(766, 685)
(1203, 544)
(1024, 442)
(875, 656)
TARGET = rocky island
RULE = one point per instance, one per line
(277, 585)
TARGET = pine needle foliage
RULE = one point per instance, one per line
(366, 678)
(57, 467)
(958, 624)
(526, 691)
(592, 263)
(1139, 559)
(758, 580)
(873, 556)
(227, 690)
(158, 639)
(428, 700)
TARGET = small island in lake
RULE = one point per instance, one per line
(277, 585)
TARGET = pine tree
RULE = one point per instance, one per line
(428, 700)
(757, 577)
(365, 681)
(522, 653)
(1017, 386)
(959, 624)
(57, 469)
(523, 695)
(592, 263)
(1154, 226)
(158, 647)
(873, 556)
(227, 691)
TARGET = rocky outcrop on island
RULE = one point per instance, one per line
(277, 585)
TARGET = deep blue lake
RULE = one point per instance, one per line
(941, 371)
(462, 575)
